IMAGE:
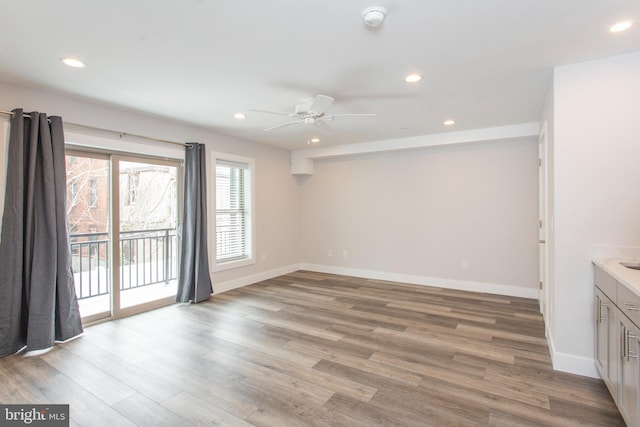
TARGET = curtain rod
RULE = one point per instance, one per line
(121, 134)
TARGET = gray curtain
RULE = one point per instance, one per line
(194, 283)
(38, 304)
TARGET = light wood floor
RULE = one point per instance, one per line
(315, 349)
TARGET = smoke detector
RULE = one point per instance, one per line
(373, 16)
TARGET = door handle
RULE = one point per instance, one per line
(631, 307)
(630, 353)
(602, 318)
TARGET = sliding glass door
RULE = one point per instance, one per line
(148, 220)
(88, 216)
(123, 218)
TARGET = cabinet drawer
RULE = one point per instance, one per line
(629, 304)
(606, 283)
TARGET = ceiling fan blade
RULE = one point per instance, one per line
(269, 112)
(319, 104)
(281, 125)
(354, 115)
(322, 123)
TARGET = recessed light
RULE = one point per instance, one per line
(240, 116)
(315, 139)
(449, 122)
(413, 78)
(620, 26)
(72, 62)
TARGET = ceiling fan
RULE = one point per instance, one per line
(310, 112)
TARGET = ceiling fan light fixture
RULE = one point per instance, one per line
(311, 112)
(374, 16)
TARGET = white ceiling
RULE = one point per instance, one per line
(485, 63)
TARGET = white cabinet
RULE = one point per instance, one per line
(607, 341)
(628, 389)
(617, 343)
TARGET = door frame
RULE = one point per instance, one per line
(114, 158)
(543, 221)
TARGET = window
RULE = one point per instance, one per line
(234, 219)
(93, 193)
(73, 189)
(133, 182)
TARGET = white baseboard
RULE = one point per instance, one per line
(219, 287)
(571, 363)
(490, 288)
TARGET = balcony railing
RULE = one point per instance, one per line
(147, 257)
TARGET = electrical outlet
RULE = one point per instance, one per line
(465, 264)
(263, 257)
(330, 252)
(345, 254)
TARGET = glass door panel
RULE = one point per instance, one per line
(148, 243)
(88, 212)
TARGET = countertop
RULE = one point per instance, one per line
(628, 277)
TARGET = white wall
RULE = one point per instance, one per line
(596, 187)
(277, 207)
(417, 215)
